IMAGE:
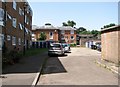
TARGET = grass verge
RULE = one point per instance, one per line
(34, 51)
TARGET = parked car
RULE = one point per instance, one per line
(98, 46)
(66, 47)
(56, 49)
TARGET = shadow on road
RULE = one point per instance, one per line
(53, 65)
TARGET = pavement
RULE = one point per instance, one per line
(108, 65)
(26, 72)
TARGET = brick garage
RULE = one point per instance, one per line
(110, 39)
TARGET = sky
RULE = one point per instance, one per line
(90, 15)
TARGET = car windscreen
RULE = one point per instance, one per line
(55, 46)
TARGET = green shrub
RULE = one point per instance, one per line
(72, 45)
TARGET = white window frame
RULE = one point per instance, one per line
(20, 11)
(8, 37)
(20, 26)
(1, 41)
(62, 31)
(51, 36)
(25, 18)
(19, 41)
(2, 17)
(72, 31)
(72, 38)
(14, 22)
(13, 40)
(9, 16)
(14, 5)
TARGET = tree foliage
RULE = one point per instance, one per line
(48, 24)
(42, 36)
(107, 26)
(83, 30)
(69, 23)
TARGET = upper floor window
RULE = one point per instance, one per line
(9, 16)
(14, 22)
(62, 32)
(1, 17)
(20, 11)
(20, 26)
(25, 18)
(72, 31)
(72, 37)
(8, 37)
(14, 4)
(51, 35)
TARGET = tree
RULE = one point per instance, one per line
(64, 24)
(81, 30)
(47, 24)
(69, 23)
(42, 36)
(95, 32)
(107, 26)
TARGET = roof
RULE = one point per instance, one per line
(113, 27)
(66, 28)
(44, 27)
(85, 35)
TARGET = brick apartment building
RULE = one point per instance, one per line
(16, 24)
(67, 34)
(110, 39)
(50, 31)
(58, 34)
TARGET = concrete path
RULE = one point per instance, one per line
(24, 72)
(78, 68)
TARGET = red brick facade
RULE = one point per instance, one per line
(13, 28)
(59, 34)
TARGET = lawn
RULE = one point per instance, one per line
(35, 51)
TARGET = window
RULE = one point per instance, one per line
(62, 37)
(8, 37)
(62, 32)
(72, 37)
(20, 11)
(19, 41)
(1, 41)
(20, 26)
(13, 40)
(8, 15)
(14, 4)
(72, 31)
(1, 17)
(25, 19)
(51, 35)
(14, 22)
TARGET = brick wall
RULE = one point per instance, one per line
(46, 31)
(110, 41)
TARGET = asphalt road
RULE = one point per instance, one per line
(77, 68)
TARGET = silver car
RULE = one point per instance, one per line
(66, 47)
(56, 49)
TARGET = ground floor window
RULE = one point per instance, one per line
(13, 40)
(1, 41)
(19, 41)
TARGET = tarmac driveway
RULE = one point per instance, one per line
(77, 68)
